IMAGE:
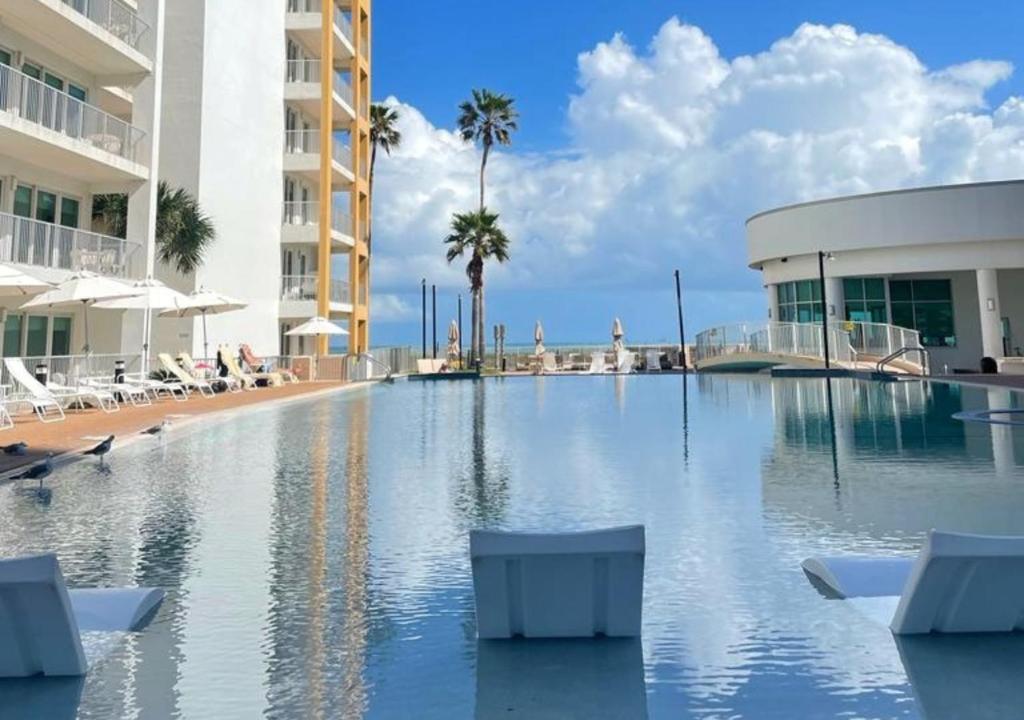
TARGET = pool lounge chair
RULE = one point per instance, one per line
(156, 388)
(73, 395)
(188, 381)
(653, 361)
(125, 392)
(233, 384)
(429, 366)
(40, 618)
(253, 363)
(957, 584)
(248, 379)
(46, 406)
(581, 584)
(597, 363)
(624, 361)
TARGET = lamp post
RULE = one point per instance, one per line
(433, 313)
(423, 306)
(460, 331)
(679, 312)
(822, 256)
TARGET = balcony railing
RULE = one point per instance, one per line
(341, 222)
(308, 141)
(33, 242)
(342, 87)
(342, 22)
(302, 71)
(304, 287)
(341, 153)
(114, 16)
(298, 212)
(38, 103)
(314, 6)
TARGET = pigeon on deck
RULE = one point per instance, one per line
(18, 448)
(102, 449)
(156, 429)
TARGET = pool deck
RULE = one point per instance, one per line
(1004, 382)
(74, 434)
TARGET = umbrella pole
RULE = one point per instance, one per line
(206, 347)
(85, 308)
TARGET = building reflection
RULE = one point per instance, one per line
(483, 486)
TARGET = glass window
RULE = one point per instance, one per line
(77, 92)
(69, 212)
(12, 336)
(35, 341)
(61, 336)
(853, 289)
(799, 301)
(33, 71)
(23, 201)
(865, 300)
(53, 81)
(5, 57)
(925, 306)
(46, 206)
(874, 289)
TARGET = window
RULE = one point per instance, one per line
(12, 336)
(799, 301)
(23, 201)
(865, 300)
(60, 336)
(46, 206)
(35, 340)
(69, 212)
(925, 306)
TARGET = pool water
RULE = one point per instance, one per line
(315, 553)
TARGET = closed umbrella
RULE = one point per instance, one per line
(453, 341)
(203, 302)
(14, 282)
(538, 339)
(617, 334)
(153, 295)
(82, 288)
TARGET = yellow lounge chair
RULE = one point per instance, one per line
(189, 382)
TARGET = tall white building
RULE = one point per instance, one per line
(78, 91)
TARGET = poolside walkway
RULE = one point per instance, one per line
(71, 435)
(1006, 382)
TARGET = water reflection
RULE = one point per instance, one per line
(483, 484)
(560, 679)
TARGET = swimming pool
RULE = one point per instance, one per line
(315, 553)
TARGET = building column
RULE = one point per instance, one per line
(991, 317)
(772, 291)
(835, 299)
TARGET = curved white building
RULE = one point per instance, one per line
(946, 261)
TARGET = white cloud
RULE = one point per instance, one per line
(671, 148)
(391, 308)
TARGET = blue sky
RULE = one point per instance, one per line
(428, 55)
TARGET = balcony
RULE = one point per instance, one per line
(300, 224)
(302, 89)
(303, 21)
(302, 157)
(298, 296)
(33, 242)
(104, 36)
(43, 126)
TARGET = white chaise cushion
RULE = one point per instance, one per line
(558, 585)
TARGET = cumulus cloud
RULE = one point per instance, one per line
(672, 146)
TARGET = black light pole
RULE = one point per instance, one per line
(433, 312)
(423, 305)
(679, 311)
(460, 330)
(824, 307)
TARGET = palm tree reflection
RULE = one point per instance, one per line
(482, 493)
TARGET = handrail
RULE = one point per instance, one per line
(34, 242)
(387, 368)
(925, 360)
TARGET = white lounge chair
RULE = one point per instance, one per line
(43, 402)
(549, 365)
(40, 618)
(558, 585)
(958, 583)
(653, 361)
(597, 363)
(624, 361)
(429, 366)
(156, 388)
(123, 391)
(189, 382)
(77, 395)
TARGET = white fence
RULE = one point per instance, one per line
(114, 16)
(71, 369)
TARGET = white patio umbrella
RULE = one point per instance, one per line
(153, 295)
(617, 334)
(453, 340)
(82, 288)
(203, 302)
(318, 326)
(538, 339)
(14, 282)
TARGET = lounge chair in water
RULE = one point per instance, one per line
(40, 618)
(188, 381)
(957, 584)
(581, 584)
(597, 362)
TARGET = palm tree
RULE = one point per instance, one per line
(385, 135)
(488, 117)
(183, 230)
(478, 234)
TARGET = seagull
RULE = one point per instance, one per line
(39, 471)
(18, 448)
(102, 449)
(156, 429)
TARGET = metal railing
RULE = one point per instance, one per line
(342, 22)
(114, 16)
(304, 287)
(73, 369)
(314, 6)
(33, 242)
(341, 153)
(342, 87)
(308, 141)
(878, 339)
(341, 221)
(299, 212)
(38, 103)
(797, 339)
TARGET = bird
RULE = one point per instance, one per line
(39, 471)
(156, 429)
(18, 448)
(102, 449)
